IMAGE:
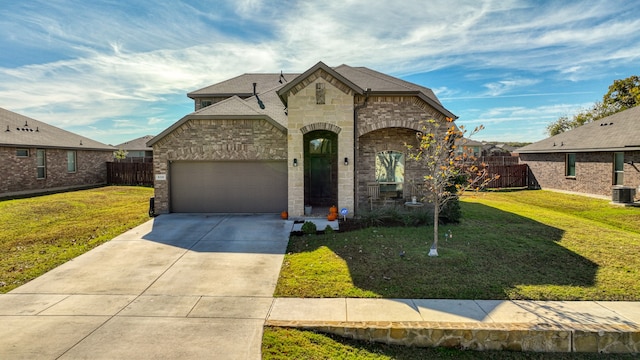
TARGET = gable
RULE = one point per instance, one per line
(319, 71)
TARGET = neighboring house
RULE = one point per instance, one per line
(37, 157)
(589, 159)
(470, 147)
(137, 149)
(274, 142)
(497, 150)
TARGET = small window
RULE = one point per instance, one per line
(22, 153)
(570, 165)
(320, 146)
(205, 103)
(71, 161)
(618, 168)
(319, 93)
(390, 171)
(41, 164)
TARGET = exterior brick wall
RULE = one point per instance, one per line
(594, 171)
(209, 140)
(19, 174)
(387, 123)
(380, 140)
(380, 112)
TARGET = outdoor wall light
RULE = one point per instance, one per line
(295, 162)
(346, 161)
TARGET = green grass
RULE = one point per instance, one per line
(535, 245)
(283, 343)
(40, 233)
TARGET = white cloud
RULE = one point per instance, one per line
(125, 60)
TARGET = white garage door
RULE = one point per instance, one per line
(228, 186)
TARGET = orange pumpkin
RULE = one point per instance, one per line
(333, 210)
(332, 216)
(284, 215)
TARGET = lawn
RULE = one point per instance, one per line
(535, 245)
(42, 232)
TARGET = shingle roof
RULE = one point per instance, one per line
(242, 85)
(235, 107)
(139, 144)
(362, 77)
(379, 82)
(242, 103)
(19, 130)
(618, 132)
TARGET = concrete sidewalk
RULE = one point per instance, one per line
(559, 326)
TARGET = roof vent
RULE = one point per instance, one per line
(7, 129)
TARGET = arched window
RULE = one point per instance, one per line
(390, 172)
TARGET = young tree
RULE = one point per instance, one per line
(450, 167)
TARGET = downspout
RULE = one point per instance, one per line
(355, 146)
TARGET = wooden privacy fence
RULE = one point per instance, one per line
(121, 173)
(510, 176)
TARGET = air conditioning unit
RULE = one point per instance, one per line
(623, 194)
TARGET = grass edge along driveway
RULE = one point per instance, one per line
(537, 245)
(42, 232)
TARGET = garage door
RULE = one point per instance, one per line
(228, 186)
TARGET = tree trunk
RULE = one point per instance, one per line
(436, 214)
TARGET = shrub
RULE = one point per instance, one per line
(309, 228)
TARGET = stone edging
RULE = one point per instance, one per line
(608, 338)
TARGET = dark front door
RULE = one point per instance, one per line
(321, 168)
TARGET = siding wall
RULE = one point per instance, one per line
(594, 171)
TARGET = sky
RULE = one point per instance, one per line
(116, 70)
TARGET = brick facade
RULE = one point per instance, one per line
(19, 175)
(594, 171)
(380, 140)
(209, 140)
(379, 112)
(388, 123)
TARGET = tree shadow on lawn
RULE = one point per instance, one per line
(490, 255)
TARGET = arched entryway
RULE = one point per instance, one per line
(321, 168)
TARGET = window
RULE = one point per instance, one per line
(205, 103)
(320, 146)
(41, 164)
(319, 93)
(71, 161)
(618, 168)
(390, 171)
(570, 165)
(22, 152)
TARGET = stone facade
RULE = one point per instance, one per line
(209, 140)
(19, 175)
(305, 115)
(594, 171)
(543, 338)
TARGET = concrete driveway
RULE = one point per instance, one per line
(179, 286)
